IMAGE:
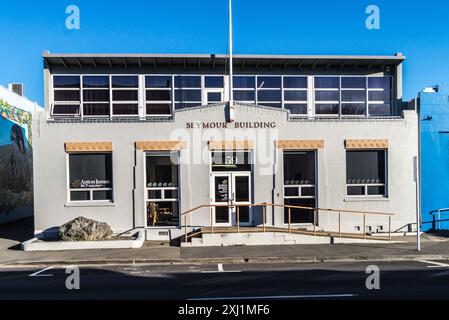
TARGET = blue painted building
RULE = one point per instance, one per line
(434, 144)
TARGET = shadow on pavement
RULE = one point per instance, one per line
(19, 230)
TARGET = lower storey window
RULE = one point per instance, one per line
(366, 173)
(299, 186)
(162, 189)
(90, 176)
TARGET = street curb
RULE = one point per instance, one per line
(236, 260)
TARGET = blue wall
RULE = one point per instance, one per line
(434, 122)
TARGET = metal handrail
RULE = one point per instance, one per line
(289, 207)
(439, 211)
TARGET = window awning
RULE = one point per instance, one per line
(353, 144)
(88, 146)
(230, 145)
(160, 145)
(300, 144)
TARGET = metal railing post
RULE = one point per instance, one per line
(212, 219)
(289, 220)
(339, 223)
(185, 227)
(389, 228)
(238, 219)
(264, 208)
(315, 213)
(364, 226)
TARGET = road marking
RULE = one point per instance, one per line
(435, 264)
(38, 273)
(220, 269)
(313, 296)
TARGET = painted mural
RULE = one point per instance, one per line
(16, 171)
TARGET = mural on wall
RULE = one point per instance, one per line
(16, 171)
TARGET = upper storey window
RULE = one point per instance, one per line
(269, 91)
(187, 92)
(125, 95)
(66, 96)
(158, 95)
(96, 96)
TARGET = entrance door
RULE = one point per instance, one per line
(233, 190)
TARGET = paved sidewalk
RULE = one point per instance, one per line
(11, 255)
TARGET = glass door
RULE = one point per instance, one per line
(221, 195)
(241, 195)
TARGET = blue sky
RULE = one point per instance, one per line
(419, 29)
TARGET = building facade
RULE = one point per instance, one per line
(434, 144)
(139, 140)
(16, 164)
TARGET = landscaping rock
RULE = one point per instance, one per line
(83, 229)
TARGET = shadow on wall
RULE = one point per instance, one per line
(16, 173)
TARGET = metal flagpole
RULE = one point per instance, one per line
(231, 97)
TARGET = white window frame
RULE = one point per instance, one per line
(296, 102)
(52, 97)
(90, 190)
(162, 189)
(112, 89)
(149, 102)
(366, 185)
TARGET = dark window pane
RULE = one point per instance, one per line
(158, 95)
(299, 215)
(327, 109)
(380, 96)
(296, 108)
(356, 191)
(163, 213)
(125, 109)
(66, 82)
(154, 194)
(125, 95)
(244, 95)
(365, 166)
(353, 109)
(242, 192)
(158, 82)
(92, 170)
(162, 172)
(271, 105)
(90, 109)
(231, 161)
(66, 95)
(308, 192)
(268, 82)
(291, 192)
(327, 95)
(379, 110)
(188, 82)
(295, 82)
(299, 167)
(327, 82)
(158, 109)
(213, 82)
(353, 82)
(213, 97)
(269, 95)
(179, 106)
(187, 95)
(125, 82)
(102, 195)
(66, 109)
(171, 194)
(353, 96)
(244, 82)
(79, 196)
(376, 190)
(379, 83)
(295, 95)
(96, 82)
(96, 95)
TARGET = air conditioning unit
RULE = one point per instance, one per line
(17, 88)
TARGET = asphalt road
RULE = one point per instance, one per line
(343, 280)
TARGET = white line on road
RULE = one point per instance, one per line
(220, 269)
(435, 264)
(38, 274)
(316, 296)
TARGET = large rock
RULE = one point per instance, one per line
(83, 229)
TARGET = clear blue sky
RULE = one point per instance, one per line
(419, 29)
